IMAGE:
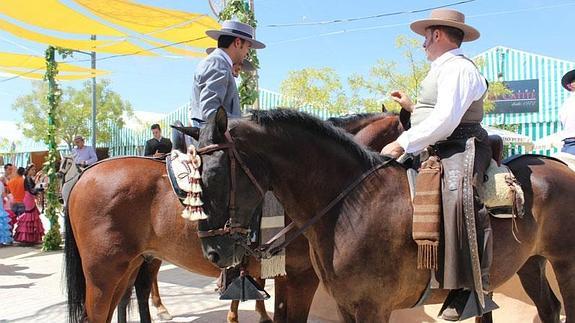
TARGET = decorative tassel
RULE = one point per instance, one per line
(196, 174)
(187, 213)
(196, 201)
(427, 254)
(188, 200)
(196, 188)
(198, 214)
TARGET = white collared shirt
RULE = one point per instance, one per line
(567, 117)
(459, 84)
(227, 57)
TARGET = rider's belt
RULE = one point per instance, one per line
(467, 130)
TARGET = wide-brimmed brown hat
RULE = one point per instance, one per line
(247, 66)
(567, 79)
(446, 17)
(236, 29)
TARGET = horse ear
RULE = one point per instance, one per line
(383, 108)
(222, 120)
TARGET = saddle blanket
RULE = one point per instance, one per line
(502, 194)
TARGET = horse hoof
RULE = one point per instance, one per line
(164, 316)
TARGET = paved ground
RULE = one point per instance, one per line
(31, 291)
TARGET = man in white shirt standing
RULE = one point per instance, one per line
(567, 113)
(447, 117)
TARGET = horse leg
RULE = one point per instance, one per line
(369, 313)
(261, 306)
(346, 317)
(123, 306)
(301, 289)
(143, 286)
(280, 299)
(486, 318)
(534, 282)
(98, 295)
(154, 269)
(128, 279)
(233, 313)
(565, 271)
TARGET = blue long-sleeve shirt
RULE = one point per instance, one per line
(87, 154)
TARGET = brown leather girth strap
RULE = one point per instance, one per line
(267, 249)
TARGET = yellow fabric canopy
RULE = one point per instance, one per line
(52, 14)
(104, 46)
(172, 25)
(32, 74)
(176, 50)
(21, 63)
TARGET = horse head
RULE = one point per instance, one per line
(230, 193)
(67, 175)
(65, 166)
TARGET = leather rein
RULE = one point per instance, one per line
(231, 226)
(267, 250)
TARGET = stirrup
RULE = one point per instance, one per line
(244, 288)
(469, 308)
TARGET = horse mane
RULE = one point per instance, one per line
(273, 118)
(344, 120)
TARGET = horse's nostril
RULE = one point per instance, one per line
(213, 257)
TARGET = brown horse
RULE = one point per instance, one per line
(292, 302)
(362, 247)
(122, 210)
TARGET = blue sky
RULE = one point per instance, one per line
(162, 84)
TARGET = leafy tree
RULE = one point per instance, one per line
(385, 77)
(322, 87)
(74, 112)
(317, 87)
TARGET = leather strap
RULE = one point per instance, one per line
(242, 164)
(222, 231)
(268, 250)
(235, 159)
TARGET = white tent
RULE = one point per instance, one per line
(510, 137)
(550, 142)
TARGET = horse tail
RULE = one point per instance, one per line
(75, 280)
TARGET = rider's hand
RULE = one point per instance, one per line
(393, 149)
(403, 100)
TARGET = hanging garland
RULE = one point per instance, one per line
(248, 88)
(52, 239)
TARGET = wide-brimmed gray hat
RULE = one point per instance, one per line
(236, 29)
(446, 17)
(247, 66)
(567, 79)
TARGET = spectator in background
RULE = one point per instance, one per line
(16, 187)
(157, 146)
(7, 203)
(29, 229)
(567, 114)
(83, 155)
(5, 226)
(8, 171)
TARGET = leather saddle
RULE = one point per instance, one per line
(183, 136)
(496, 143)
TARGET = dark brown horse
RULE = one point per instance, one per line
(362, 248)
(291, 300)
(123, 210)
